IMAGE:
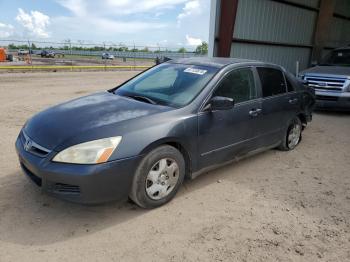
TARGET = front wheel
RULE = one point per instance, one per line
(293, 135)
(158, 177)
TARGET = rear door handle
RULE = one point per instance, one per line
(255, 112)
(293, 101)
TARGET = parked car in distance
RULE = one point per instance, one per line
(175, 120)
(47, 53)
(23, 52)
(331, 80)
(107, 56)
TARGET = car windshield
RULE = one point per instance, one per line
(337, 58)
(168, 84)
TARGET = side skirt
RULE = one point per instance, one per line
(195, 174)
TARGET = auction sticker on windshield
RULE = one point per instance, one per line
(195, 71)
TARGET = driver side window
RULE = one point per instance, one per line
(238, 85)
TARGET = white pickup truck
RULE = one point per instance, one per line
(331, 80)
(23, 52)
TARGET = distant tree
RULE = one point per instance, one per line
(12, 46)
(145, 49)
(97, 48)
(202, 48)
(123, 49)
(33, 46)
(182, 50)
(76, 48)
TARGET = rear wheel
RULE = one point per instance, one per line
(293, 135)
(158, 177)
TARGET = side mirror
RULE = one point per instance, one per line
(221, 103)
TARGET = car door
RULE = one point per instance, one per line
(293, 99)
(275, 105)
(224, 134)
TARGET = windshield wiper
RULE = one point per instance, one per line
(142, 98)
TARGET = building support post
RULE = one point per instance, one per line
(228, 11)
(323, 27)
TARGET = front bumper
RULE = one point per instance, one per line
(333, 100)
(86, 184)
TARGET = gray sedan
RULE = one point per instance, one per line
(175, 120)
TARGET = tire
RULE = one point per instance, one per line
(295, 126)
(158, 177)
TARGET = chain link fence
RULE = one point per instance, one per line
(82, 55)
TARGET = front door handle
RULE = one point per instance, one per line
(255, 112)
(293, 101)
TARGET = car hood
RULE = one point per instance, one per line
(330, 70)
(94, 113)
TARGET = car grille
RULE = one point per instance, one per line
(32, 147)
(65, 188)
(326, 83)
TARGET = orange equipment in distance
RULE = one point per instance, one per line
(2, 55)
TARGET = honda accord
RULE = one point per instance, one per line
(173, 121)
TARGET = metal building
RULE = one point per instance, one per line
(278, 31)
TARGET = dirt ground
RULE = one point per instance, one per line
(276, 206)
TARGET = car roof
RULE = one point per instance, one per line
(218, 62)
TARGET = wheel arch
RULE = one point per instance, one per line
(303, 119)
(174, 142)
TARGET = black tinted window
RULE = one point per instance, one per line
(272, 81)
(238, 85)
(338, 57)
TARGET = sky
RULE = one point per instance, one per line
(165, 23)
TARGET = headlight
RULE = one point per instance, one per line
(92, 152)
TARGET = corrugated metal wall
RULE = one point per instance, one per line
(342, 7)
(270, 21)
(311, 3)
(282, 33)
(340, 33)
(285, 56)
(275, 22)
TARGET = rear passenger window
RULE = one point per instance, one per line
(238, 85)
(272, 81)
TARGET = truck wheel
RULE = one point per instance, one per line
(293, 135)
(158, 177)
